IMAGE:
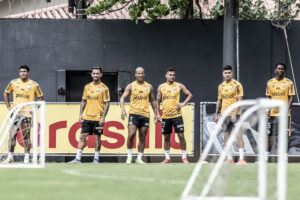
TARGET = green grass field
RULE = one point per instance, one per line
(120, 181)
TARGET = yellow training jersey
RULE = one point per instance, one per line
(280, 90)
(139, 99)
(170, 99)
(24, 92)
(95, 96)
(228, 93)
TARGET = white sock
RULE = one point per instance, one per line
(26, 156)
(139, 157)
(96, 155)
(167, 154)
(79, 154)
(183, 153)
(10, 155)
(267, 156)
(229, 156)
(241, 150)
(129, 154)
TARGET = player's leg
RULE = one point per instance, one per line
(179, 129)
(144, 125)
(26, 126)
(133, 124)
(86, 130)
(166, 131)
(97, 134)
(241, 145)
(226, 128)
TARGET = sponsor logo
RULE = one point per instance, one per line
(172, 114)
(106, 94)
(22, 96)
(140, 98)
(92, 97)
(280, 94)
(228, 96)
(169, 97)
(180, 126)
(141, 91)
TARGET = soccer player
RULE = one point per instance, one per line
(24, 90)
(140, 91)
(169, 94)
(230, 92)
(93, 110)
(280, 88)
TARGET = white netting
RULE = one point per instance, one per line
(23, 130)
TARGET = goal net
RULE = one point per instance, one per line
(215, 178)
(22, 136)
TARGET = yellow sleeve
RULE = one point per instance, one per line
(106, 95)
(239, 90)
(38, 92)
(219, 93)
(84, 95)
(268, 92)
(291, 90)
(9, 88)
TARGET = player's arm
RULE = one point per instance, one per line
(6, 99)
(187, 93)
(153, 104)
(290, 102)
(106, 108)
(82, 107)
(122, 101)
(158, 100)
(218, 109)
(236, 111)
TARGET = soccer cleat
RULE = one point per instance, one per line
(75, 161)
(26, 161)
(8, 160)
(185, 161)
(139, 161)
(129, 160)
(95, 161)
(166, 161)
(242, 162)
(229, 162)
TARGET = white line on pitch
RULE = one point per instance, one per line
(125, 178)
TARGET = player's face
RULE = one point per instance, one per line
(140, 75)
(96, 75)
(280, 71)
(227, 74)
(23, 73)
(170, 76)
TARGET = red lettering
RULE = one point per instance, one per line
(174, 144)
(72, 134)
(52, 132)
(20, 138)
(119, 137)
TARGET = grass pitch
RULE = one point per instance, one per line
(112, 181)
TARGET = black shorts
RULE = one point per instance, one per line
(90, 127)
(20, 120)
(168, 124)
(228, 124)
(138, 120)
(273, 126)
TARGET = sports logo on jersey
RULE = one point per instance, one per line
(283, 86)
(98, 90)
(231, 87)
(29, 88)
(174, 89)
(146, 89)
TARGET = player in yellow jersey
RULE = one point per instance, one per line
(24, 90)
(169, 94)
(93, 110)
(140, 93)
(280, 88)
(230, 92)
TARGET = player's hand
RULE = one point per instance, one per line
(233, 118)
(101, 122)
(216, 118)
(10, 108)
(123, 114)
(80, 119)
(179, 106)
(157, 119)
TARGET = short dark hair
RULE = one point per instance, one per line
(97, 67)
(227, 67)
(24, 67)
(170, 70)
(284, 66)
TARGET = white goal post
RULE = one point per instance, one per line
(38, 134)
(259, 107)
